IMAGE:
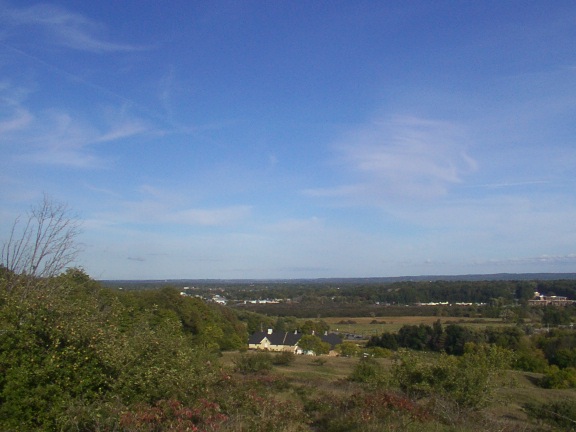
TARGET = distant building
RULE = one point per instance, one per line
(287, 341)
(543, 300)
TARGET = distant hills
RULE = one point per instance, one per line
(422, 278)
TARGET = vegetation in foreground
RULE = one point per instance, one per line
(76, 356)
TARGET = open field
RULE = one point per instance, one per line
(507, 409)
(369, 326)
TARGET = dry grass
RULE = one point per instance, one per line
(506, 413)
(369, 326)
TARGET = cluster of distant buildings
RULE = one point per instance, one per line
(450, 304)
(538, 300)
(544, 300)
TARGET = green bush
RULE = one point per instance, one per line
(557, 378)
(68, 350)
(253, 362)
(319, 361)
(347, 349)
(531, 360)
(285, 358)
(367, 370)
(560, 414)
(378, 352)
(467, 381)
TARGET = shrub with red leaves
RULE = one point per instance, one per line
(172, 416)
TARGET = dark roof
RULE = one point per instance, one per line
(282, 338)
(291, 339)
(332, 338)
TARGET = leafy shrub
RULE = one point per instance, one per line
(312, 343)
(362, 411)
(285, 358)
(66, 349)
(347, 349)
(173, 416)
(557, 378)
(253, 362)
(367, 370)
(378, 352)
(531, 360)
(467, 380)
(560, 414)
(319, 361)
(264, 413)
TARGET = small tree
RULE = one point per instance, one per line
(43, 243)
(347, 349)
(313, 343)
(367, 370)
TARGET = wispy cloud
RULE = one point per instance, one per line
(62, 27)
(162, 206)
(56, 137)
(19, 119)
(542, 259)
(298, 226)
(210, 217)
(403, 158)
(511, 184)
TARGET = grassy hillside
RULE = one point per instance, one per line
(507, 411)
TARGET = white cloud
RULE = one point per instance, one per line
(20, 119)
(210, 217)
(125, 129)
(63, 28)
(296, 226)
(55, 137)
(161, 206)
(404, 158)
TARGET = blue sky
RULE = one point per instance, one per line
(288, 139)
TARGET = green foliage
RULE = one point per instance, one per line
(211, 326)
(556, 378)
(530, 359)
(377, 410)
(70, 348)
(284, 358)
(367, 370)
(387, 340)
(560, 414)
(348, 349)
(467, 381)
(251, 404)
(311, 327)
(559, 347)
(555, 316)
(313, 343)
(253, 362)
(378, 352)
(505, 337)
(254, 321)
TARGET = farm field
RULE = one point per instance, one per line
(370, 326)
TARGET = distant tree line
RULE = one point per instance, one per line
(407, 292)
